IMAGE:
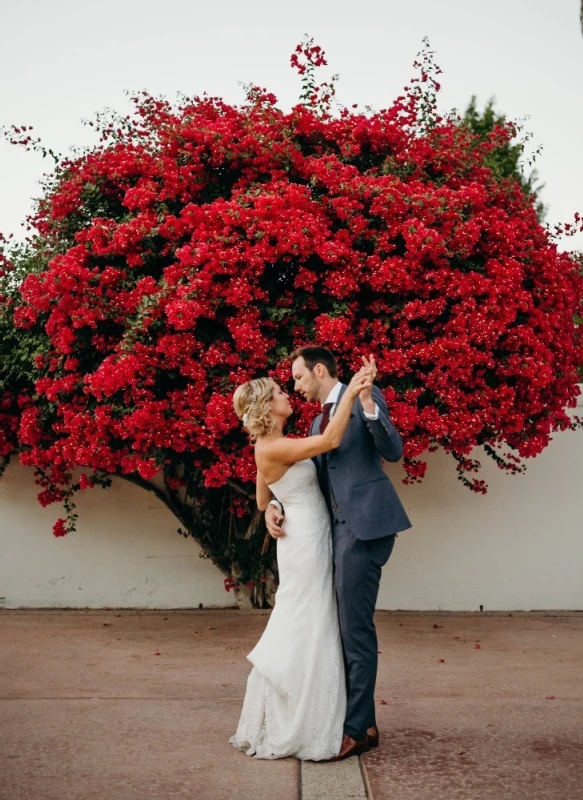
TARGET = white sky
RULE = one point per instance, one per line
(63, 60)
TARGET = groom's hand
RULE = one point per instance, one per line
(369, 364)
(274, 520)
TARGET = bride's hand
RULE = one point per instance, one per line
(361, 380)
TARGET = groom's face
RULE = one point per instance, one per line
(305, 381)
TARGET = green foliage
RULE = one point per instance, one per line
(18, 347)
(505, 162)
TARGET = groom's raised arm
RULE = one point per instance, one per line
(387, 441)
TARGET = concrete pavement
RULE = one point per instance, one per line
(128, 705)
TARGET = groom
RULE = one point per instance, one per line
(366, 514)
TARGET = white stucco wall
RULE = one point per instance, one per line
(125, 553)
(519, 547)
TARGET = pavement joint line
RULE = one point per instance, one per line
(340, 780)
(365, 780)
(397, 703)
(231, 611)
(300, 782)
(145, 697)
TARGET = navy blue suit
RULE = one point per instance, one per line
(366, 514)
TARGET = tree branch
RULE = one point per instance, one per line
(238, 488)
(143, 484)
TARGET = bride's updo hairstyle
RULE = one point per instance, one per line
(252, 401)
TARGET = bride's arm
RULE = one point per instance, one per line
(263, 493)
(288, 451)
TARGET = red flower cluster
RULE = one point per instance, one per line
(197, 245)
(307, 54)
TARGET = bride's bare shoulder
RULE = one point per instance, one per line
(270, 446)
(278, 448)
(284, 450)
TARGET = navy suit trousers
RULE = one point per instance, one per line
(357, 574)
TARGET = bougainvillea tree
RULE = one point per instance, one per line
(198, 243)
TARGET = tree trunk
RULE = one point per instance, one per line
(260, 595)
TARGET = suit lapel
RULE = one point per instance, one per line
(315, 430)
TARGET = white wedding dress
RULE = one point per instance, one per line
(295, 701)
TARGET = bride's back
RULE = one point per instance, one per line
(299, 487)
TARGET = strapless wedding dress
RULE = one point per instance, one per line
(295, 701)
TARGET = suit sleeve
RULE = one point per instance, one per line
(387, 441)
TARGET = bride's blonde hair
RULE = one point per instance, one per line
(252, 402)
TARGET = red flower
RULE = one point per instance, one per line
(60, 528)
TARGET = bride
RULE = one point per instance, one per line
(295, 701)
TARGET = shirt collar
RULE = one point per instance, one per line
(334, 392)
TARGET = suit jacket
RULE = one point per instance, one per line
(356, 488)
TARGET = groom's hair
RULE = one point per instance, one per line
(312, 355)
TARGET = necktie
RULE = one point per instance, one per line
(327, 408)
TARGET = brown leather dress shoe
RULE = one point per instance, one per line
(373, 736)
(351, 747)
